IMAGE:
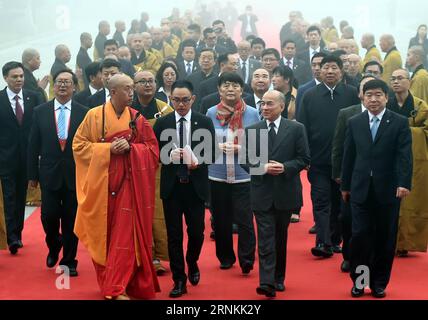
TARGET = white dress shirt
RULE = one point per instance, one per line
(379, 116)
(11, 95)
(93, 90)
(312, 52)
(291, 66)
(187, 123)
(107, 95)
(57, 108)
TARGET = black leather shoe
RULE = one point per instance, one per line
(265, 290)
(246, 269)
(194, 275)
(73, 272)
(322, 250)
(346, 266)
(378, 293)
(279, 287)
(13, 248)
(337, 249)
(178, 290)
(226, 265)
(357, 293)
(313, 230)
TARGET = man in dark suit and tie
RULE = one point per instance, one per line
(336, 161)
(247, 66)
(313, 46)
(276, 191)
(187, 65)
(109, 68)
(184, 181)
(16, 114)
(93, 73)
(51, 162)
(377, 173)
(301, 69)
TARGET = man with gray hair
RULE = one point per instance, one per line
(83, 60)
(118, 35)
(31, 62)
(419, 79)
(393, 59)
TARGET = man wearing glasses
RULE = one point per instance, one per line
(153, 109)
(184, 181)
(51, 141)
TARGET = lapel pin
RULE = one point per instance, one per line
(196, 123)
(387, 121)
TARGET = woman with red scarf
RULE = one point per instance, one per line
(230, 184)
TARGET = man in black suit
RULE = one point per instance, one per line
(111, 47)
(16, 113)
(276, 191)
(184, 182)
(223, 39)
(109, 68)
(316, 80)
(247, 66)
(320, 107)
(83, 59)
(187, 65)
(301, 69)
(313, 46)
(377, 173)
(93, 73)
(210, 42)
(336, 161)
(50, 162)
(249, 20)
(207, 62)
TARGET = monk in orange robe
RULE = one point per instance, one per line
(116, 154)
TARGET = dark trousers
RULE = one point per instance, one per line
(374, 237)
(59, 209)
(325, 194)
(272, 229)
(184, 200)
(231, 203)
(14, 197)
(346, 221)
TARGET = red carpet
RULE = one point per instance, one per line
(25, 276)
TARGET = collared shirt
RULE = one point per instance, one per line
(186, 63)
(285, 60)
(11, 95)
(93, 90)
(317, 82)
(187, 123)
(363, 108)
(107, 95)
(313, 51)
(57, 108)
(247, 67)
(331, 90)
(277, 124)
(161, 89)
(379, 116)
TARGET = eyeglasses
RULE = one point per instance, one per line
(63, 82)
(145, 82)
(185, 100)
(393, 79)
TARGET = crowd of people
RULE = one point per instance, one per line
(171, 120)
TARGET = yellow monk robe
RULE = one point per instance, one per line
(160, 238)
(419, 84)
(116, 196)
(168, 51)
(413, 225)
(150, 63)
(3, 237)
(330, 35)
(373, 54)
(392, 62)
(157, 54)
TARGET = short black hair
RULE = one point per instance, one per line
(73, 75)
(92, 70)
(194, 27)
(218, 22)
(163, 67)
(230, 77)
(182, 84)
(319, 55)
(109, 63)
(258, 41)
(373, 63)
(284, 72)
(364, 77)
(376, 84)
(188, 43)
(272, 51)
(250, 38)
(224, 58)
(313, 28)
(10, 66)
(284, 44)
(332, 59)
(111, 42)
(208, 50)
(338, 53)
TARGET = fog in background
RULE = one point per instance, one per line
(43, 24)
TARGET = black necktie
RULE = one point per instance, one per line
(272, 137)
(259, 105)
(244, 71)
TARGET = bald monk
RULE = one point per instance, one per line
(117, 156)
